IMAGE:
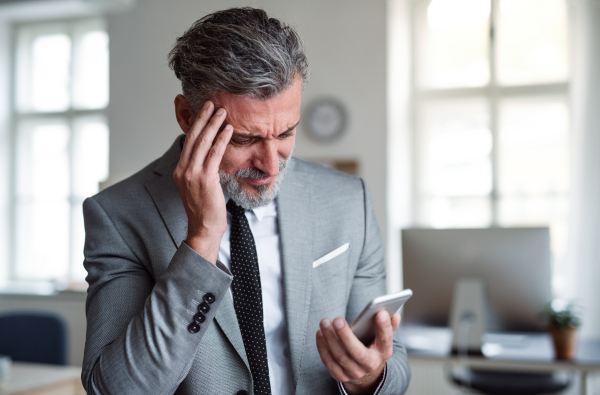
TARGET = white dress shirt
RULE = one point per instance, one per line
(265, 229)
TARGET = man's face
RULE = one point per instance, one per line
(263, 138)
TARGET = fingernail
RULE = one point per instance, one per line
(382, 317)
(206, 105)
(220, 111)
(228, 128)
(338, 323)
(325, 323)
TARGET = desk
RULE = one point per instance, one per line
(38, 379)
(515, 352)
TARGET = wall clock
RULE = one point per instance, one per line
(326, 119)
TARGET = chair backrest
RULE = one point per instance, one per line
(34, 337)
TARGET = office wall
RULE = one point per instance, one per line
(345, 43)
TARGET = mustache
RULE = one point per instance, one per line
(253, 172)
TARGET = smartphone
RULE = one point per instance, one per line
(364, 326)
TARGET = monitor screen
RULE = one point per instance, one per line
(514, 264)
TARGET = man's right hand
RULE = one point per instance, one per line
(197, 179)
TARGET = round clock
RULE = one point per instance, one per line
(326, 119)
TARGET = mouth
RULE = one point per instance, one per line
(259, 181)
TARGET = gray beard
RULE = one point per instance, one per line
(231, 186)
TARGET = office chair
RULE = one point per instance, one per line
(34, 337)
(510, 383)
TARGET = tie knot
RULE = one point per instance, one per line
(234, 209)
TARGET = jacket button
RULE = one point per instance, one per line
(209, 298)
(199, 318)
(242, 392)
(194, 327)
(203, 308)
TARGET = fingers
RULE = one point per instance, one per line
(215, 154)
(384, 338)
(352, 357)
(346, 358)
(355, 348)
(336, 371)
(202, 119)
(396, 321)
(197, 179)
(205, 139)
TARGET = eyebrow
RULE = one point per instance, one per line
(258, 137)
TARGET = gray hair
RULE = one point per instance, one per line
(239, 51)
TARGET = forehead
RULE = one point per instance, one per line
(264, 116)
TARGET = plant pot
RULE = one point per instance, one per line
(565, 342)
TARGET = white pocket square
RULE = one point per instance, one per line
(331, 255)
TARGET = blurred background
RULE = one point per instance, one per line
(458, 113)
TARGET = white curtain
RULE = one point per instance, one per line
(583, 257)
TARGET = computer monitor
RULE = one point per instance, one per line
(514, 264)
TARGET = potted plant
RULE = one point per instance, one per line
(563, 321)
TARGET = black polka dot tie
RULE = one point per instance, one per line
(247, 297)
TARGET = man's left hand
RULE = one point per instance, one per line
(358, 367)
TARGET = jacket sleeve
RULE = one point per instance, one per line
(369, 282)
(138, 341)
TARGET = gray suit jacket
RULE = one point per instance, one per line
(145, 285)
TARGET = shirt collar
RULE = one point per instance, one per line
(259, 212)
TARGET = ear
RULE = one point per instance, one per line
(184, 114)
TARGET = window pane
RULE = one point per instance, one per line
(42, 239)
(534, 210)
(44, 68)
(43, 159)
(42, 202)
(534, 147)
(534, 166)
(444, 212)
(532, 41)
(61, 67)
(454, 149)
(90, 166)
(454, 48)
(90, 65)
(90, 155)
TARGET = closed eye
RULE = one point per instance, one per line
(243, 141)
(283, 135)
(289, 132)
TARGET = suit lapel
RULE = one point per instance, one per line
(296, 232)
(165, 195)
(168, 202)
(227, 321)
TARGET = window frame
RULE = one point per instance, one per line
(493, 93)
(70, 115)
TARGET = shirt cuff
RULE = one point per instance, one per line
(343, 390)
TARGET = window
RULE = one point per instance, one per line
(61, 143)
(491, 80)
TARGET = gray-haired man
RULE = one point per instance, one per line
(165, 313)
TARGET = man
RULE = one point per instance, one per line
(211, 274)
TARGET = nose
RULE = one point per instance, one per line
(267, 158)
